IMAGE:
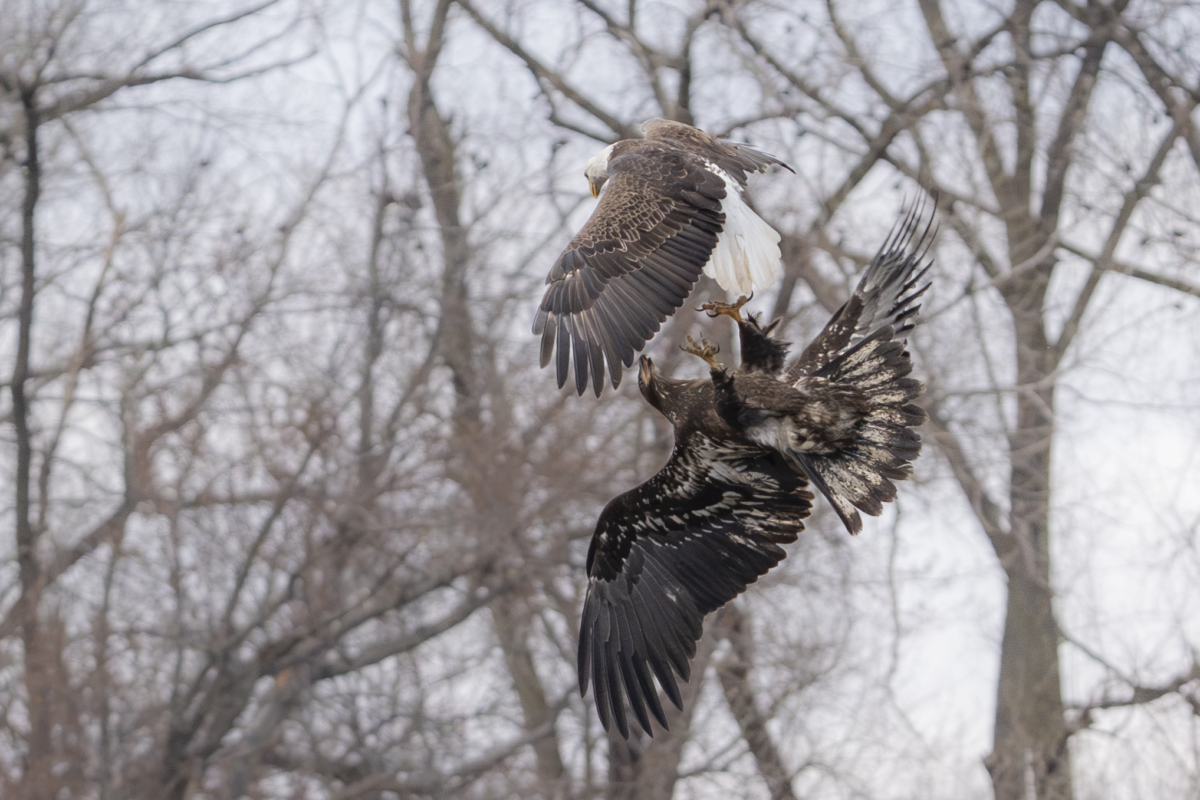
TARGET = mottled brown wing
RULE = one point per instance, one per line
(886, 295)
(667, 553)
(634, 262)
(736, 160)
(863, 349)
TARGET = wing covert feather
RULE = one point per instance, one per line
(641, 251)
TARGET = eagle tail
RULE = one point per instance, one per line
(747, 255)
(861, 475)
(886, 295)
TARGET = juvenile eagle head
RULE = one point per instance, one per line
(670, 396)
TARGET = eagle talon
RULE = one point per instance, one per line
(716, 308)
(704, 350)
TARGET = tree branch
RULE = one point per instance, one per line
(543, 73)
(1140, 189)
(958, 70)
(1059, 156)
(1161, 82)
(987, 511)
(1123, 268)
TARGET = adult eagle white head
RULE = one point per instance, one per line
(672, 208)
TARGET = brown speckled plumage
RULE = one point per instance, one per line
(843, 412)
(679, 546)
(642, 250)
(747, 443)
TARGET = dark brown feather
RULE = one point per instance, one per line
(676, 548)
(843, 412)
(643, 248)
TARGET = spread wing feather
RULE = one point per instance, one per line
(860, 476)
(887, 294)
(667, 553)
(863, 347)
(844, 412)
(631, 265)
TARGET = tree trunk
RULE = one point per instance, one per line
(1030, 757)
(734, 671)
(37, 781)
(511, 619)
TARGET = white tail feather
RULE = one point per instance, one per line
(747, 255)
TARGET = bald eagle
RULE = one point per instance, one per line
(672, 208)
(747, 444)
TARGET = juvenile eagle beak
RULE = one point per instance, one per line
(595, 187)
(645, 370)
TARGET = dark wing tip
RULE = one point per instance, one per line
(569, 341)
(629, 638)
(549, 324)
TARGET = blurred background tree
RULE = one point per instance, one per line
(294, 514)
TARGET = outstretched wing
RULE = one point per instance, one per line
(863, 348)
(734, 159)
(667, 553)
(633, 263)
(887, 294)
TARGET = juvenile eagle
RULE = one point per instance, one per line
(711, 522)
(672, 209)
(842, 413)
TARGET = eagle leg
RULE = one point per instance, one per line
(716, 308)
(704, 350)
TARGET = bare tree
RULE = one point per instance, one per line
(256, 523)
(998, 125)
(46, 83)
(294, 511)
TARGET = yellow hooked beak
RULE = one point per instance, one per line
(595, 187)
